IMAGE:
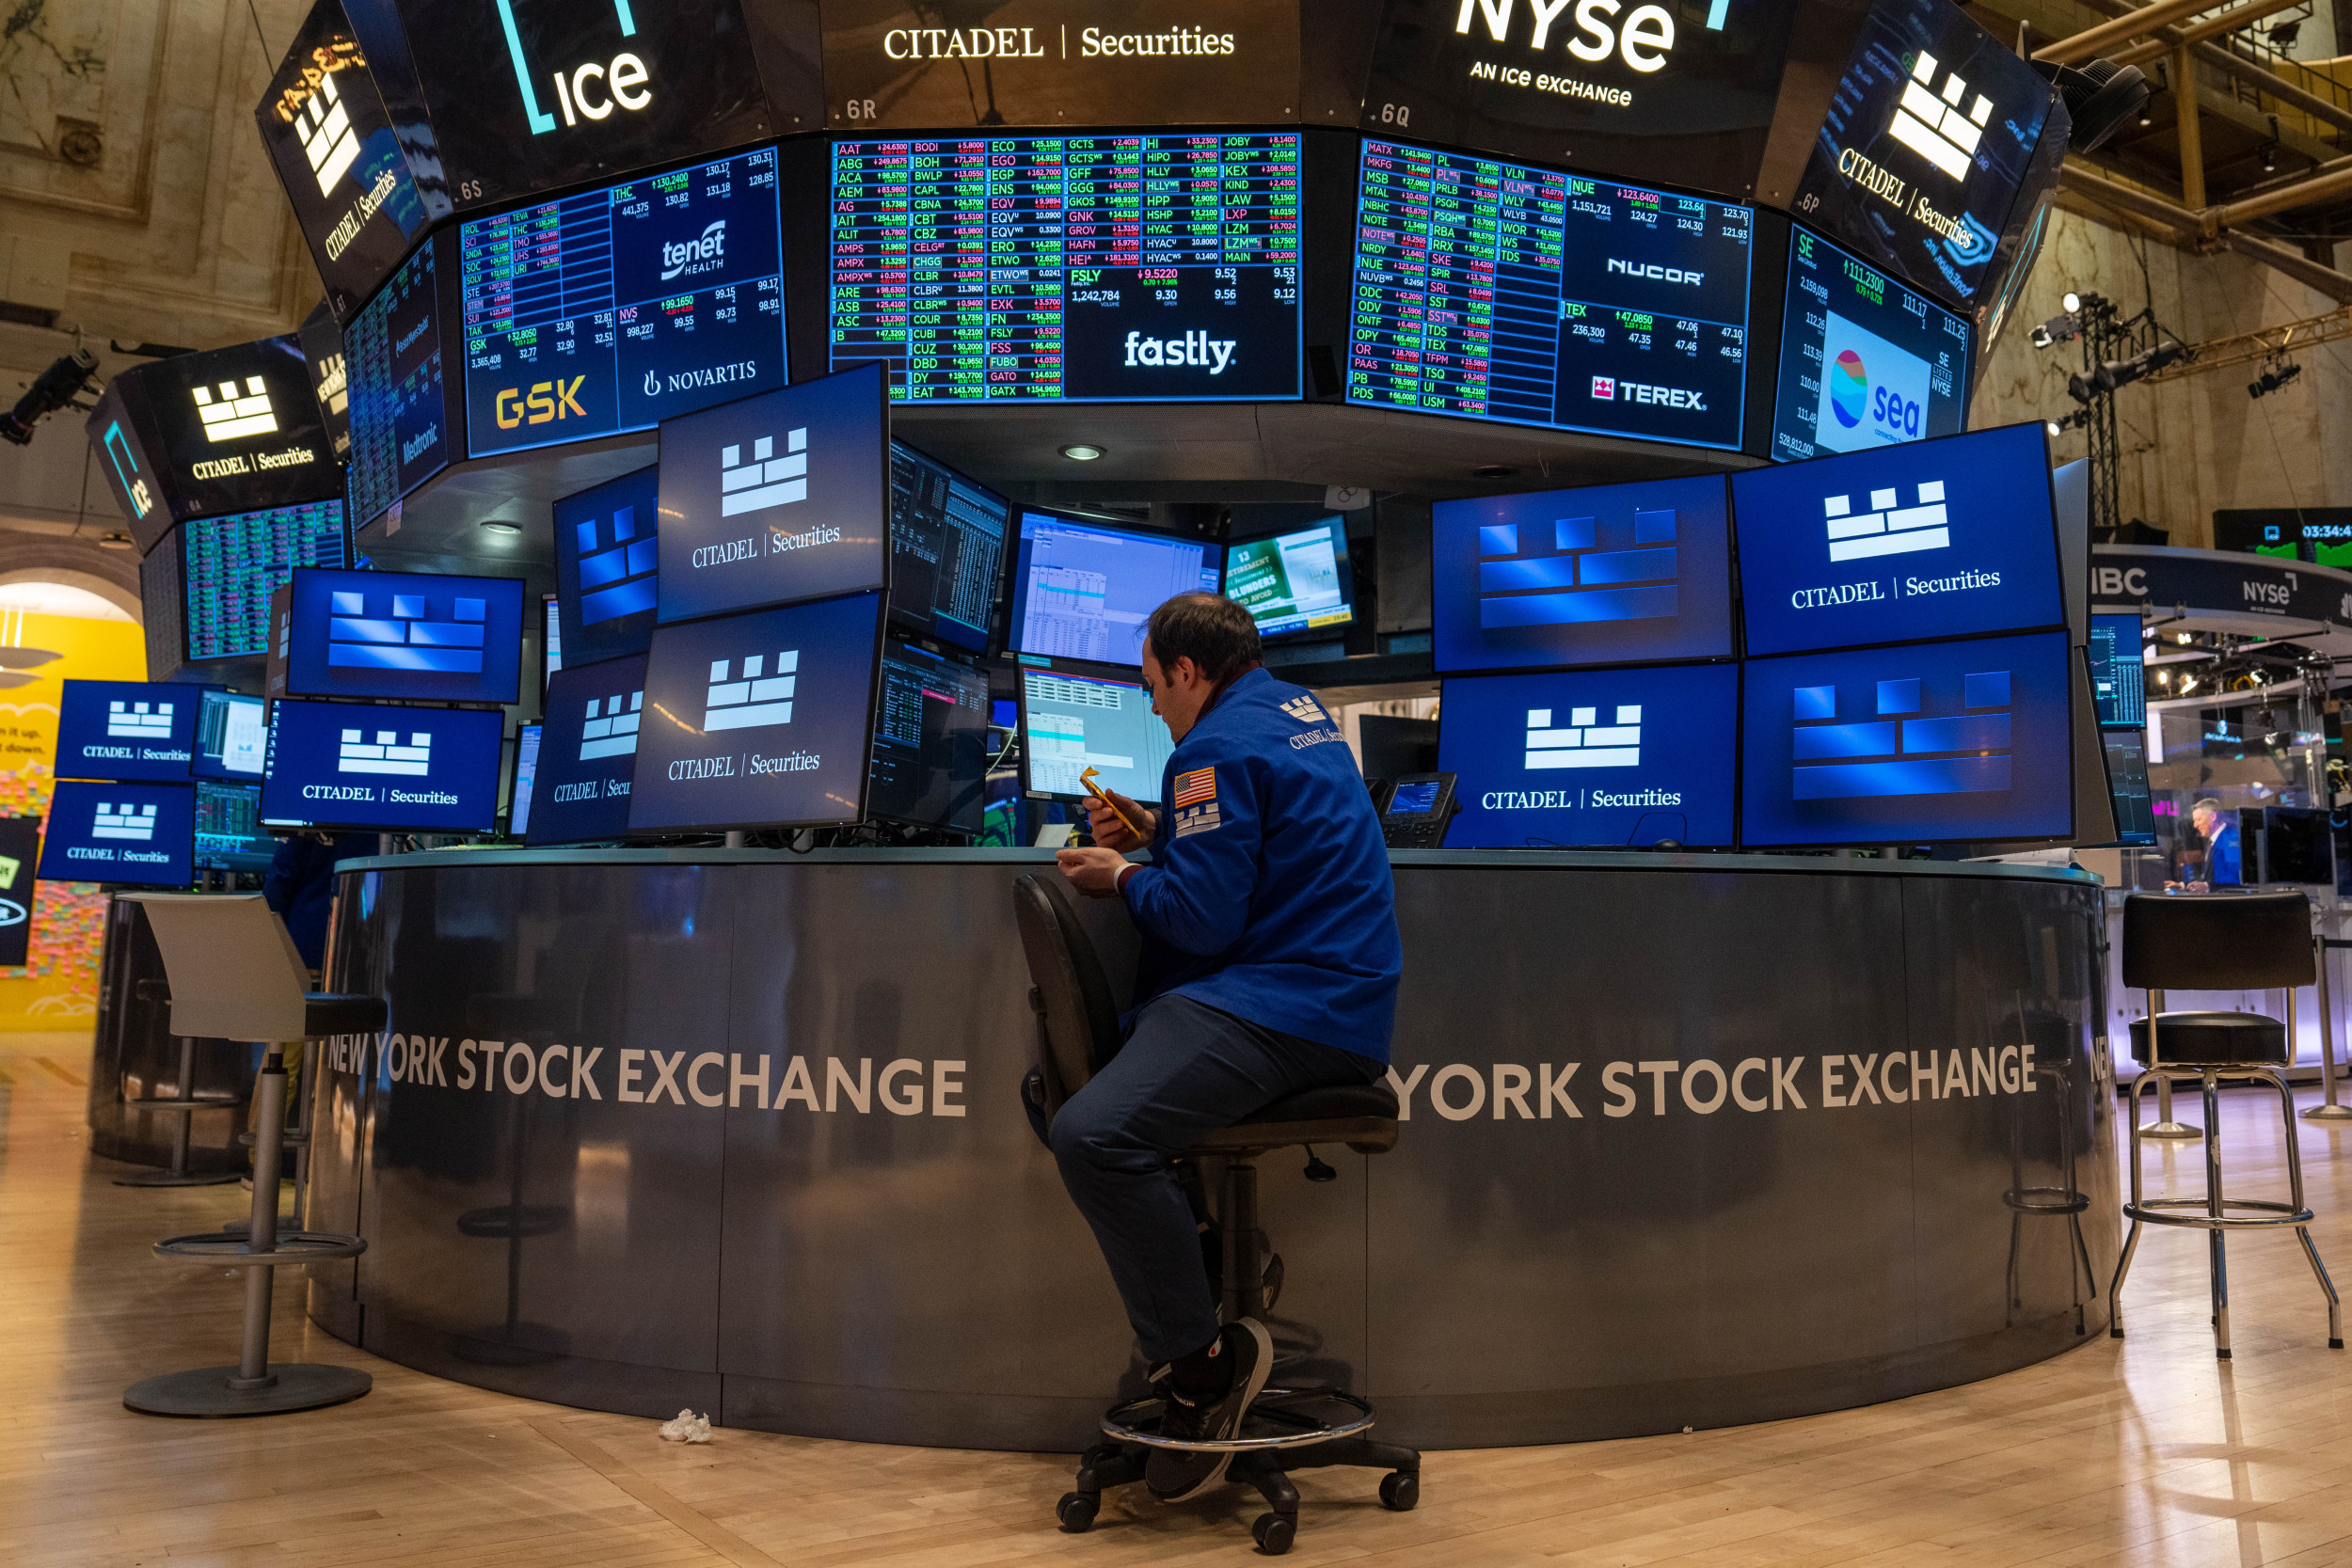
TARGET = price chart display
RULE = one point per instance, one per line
(1073, 268)
(616, 309)
(1496, 291)
(392, 363)
(236, 562)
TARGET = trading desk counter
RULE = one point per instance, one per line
(1692, 1140)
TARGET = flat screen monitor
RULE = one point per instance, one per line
(619, 308)
(2127, 784)
(126, 730)
(1494, 291)
(1595, 758)
(121, 833)
(1084, 589)
(946, 550)
(414, 636)
(232, 736)
(776, 498)
(234, 564)
(763, 720)
(1934, 539)
(396, 770)
(1618, 574)
(2119, 679)
(1864, 360)
(1296, 583)
(587, 753)
(607, 566)
(394, 367)
(1070, 268)
(1933, 742)
(519, 786)
(930, 740)
(228, 832)
(1074, 719)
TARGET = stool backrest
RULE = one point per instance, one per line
(2221, 941)
(1077, 1012)
(234, 972)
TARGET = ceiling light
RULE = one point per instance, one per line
(504, 531)
(1081, 451)
(2073, 302)
(2054, 427)
(116, 541)
(2100, 96)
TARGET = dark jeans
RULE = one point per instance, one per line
(1187, 1071)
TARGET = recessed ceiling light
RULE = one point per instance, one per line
(503, 530)
(114, 542)
(1495, 470)
(1080, 451)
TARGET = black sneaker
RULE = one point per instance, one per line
(1176, 1475)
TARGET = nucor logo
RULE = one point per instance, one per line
(1652, 270)
(592, 89)
(1643, 40)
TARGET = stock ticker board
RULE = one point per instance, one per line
(615, 309)
(1492, 289)
(1074, 268)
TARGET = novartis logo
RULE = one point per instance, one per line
(593, 89)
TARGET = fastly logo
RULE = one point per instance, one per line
(1194, 348)
(592, 89)
(139, 721)
(697, 255)
(754, 699)
(1931, 123)
(124, 821)
(233, 415)
(323, 128)
(384, 753)
(1585, 741)
(1887, 529)
(613, 732)
(543, 404)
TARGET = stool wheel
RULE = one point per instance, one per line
(1274, 1532)
(1399, 1491)
(1076, 1511)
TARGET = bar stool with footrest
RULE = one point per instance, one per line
(181, 1107)
(2248, 942)
(234, 974)
(1287, 1428)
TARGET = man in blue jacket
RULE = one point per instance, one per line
(1269, 966)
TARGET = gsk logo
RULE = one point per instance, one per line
(543, 404)
(591, 89)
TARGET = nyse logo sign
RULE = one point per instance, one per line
(1644, 41)
(545, 403)
(593, 89)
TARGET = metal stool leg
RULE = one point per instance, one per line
(2294, 1194)
(2216, 1251)
(2163, 1126)
(183, 1106)
(2131, 1242)
(2329, 1110)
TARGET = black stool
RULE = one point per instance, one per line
(181, 1107)
(1287, 1428)
(2248, 942)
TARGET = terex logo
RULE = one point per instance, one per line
(1644, 41)
(1651, 270)
(543, 404)
(1611, 390)
(593, 89)
(698, 255)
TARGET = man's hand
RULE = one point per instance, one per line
(1094, 871)
(1109, 831)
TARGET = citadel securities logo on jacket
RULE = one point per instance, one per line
(1269, 895)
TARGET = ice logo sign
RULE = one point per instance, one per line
(766, 480)
(139, 721)
(589, 90)
(756, 698)
(233, 416)
(1873, 395)
(1568, 576)
(612, 732)
(410, 637)
(616, 567)
(1931, 122)
(127, 821)
(701, 254)
(127, 470)
(323, 128)
(1900, 749)
(1585, 742)
(1887, 528)
(384, 753)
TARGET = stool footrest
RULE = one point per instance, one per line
(2046, 1200)
(293, 1139)
(2272, 1213)
(1137, 1421)
(294, 1247)
(194, 1103)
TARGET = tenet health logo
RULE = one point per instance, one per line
(705, 253)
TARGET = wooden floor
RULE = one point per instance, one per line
(2144, 1450)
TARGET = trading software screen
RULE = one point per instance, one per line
(1083, 590)
(930, 740)
(947, 548)
(1072, 722)
(2118, 682)
(1864, 361)
(1494, 291)
(126, 730)
(1070, 268)
(525, 771)
(229, 834)
(232, 736)
(393, 368)
(406, 769)
(408, 635)
(234, 564)
(2127, 786)
(1296, 582)
(118, 832)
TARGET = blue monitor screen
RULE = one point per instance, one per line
(946, 550)
(394, 367)
(760, 721)
(525, 771)
(126, 730)
(229, 835)
(118, 832)
(1496, 291)
(616, 309)
(1965, 741)
(1619, 574)
(1070, 268)
(1934, 539)
(234, 564)
(1295, 582)
(587, 753)
(403, 769)
(776, 498)
(1864, 361)
(402, 634)
(1609, 758)
(232, 736)
(606, 568)
(1415, 800)
(1084, 591)
(1072, 722)
(2118, 682)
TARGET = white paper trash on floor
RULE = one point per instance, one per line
(688, 1428)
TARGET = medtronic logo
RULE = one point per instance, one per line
(385, 754)
(754, 699)
(139, 721)
(613, 733)
(1932, 125)
(1651, 270)
(323, 128)
(125, 821)
(580, 89)
(698, 255)
(231, 417)
(1899, 753)
(766, 480)
(1887, 529)
(1585, 742)
(543, 404)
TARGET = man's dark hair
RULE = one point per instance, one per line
(1212, 631)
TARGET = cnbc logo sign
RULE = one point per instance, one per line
(589, 89)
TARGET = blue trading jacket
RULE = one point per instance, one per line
(1269, 896)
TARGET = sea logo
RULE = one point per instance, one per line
(754, 699)
(1931, 122)
(1585, 741)
(613, 732)
(616, 574)
(357, 753)
(323, 128)
(1900, 749)
(232, 417)
(1578, 571)
(411, 638)
(766, 480)
(698, 255)
(1849, 388)
(125, 821)
(1887, 529)
(580, 89)
(139, 721)
(1873, 393)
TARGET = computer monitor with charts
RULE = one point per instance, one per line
(232, 736)
(1082, 590)
(526, 772)
(2119, 681)
(930, 740)
(229, 833)
(946, 550)
(1073, 720)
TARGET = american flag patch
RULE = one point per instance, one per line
(1198, 786)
